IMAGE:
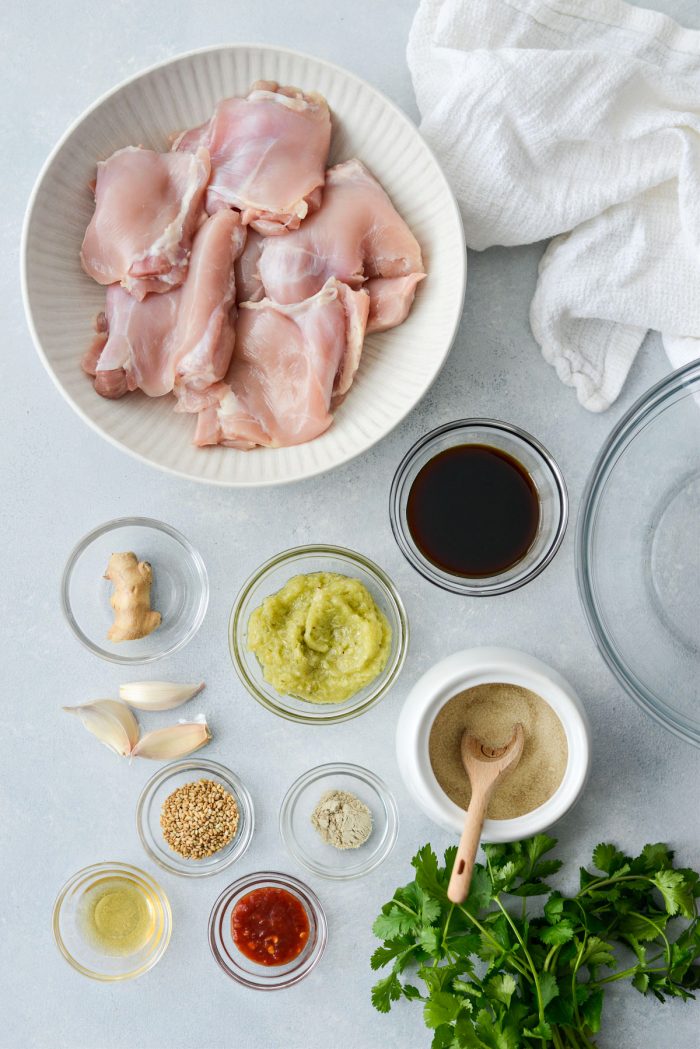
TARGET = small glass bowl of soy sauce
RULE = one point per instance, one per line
(478, 507)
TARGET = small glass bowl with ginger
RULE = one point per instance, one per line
(179, 589)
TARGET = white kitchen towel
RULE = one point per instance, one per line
(578, 120)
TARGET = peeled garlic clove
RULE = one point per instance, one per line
(111, 721)
(158, 695)
(176, 741)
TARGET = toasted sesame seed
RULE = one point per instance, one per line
(199, 818)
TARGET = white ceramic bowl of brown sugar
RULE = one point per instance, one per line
(486, 691)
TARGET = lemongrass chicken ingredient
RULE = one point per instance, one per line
(158, 695)
(114, 724)
(199, 818)
(176, 741)
(111, 722)
(131, 599)
(115, 916)
(342, 820)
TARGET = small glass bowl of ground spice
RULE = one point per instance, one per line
(112, 921)
(339, 821)
(267, 931)
(195, 818)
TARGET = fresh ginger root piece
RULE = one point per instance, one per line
(131, 599)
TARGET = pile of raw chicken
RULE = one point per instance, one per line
(242, 274)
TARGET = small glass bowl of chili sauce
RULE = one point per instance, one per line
(267, 931)
(478, 507)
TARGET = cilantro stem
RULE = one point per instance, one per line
(574, 972)
(627, 972)
(659, 931)
(577, 1039)
(492, 939)
(594, 886)
(538, 989)
(405, 907)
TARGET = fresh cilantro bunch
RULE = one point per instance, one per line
(497, 976)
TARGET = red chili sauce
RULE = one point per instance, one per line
(270, 926)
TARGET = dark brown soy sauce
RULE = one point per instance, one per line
(473, 510)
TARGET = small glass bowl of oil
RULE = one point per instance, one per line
(112, 921)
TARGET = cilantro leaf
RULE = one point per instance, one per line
(554, 935)
(537, 846)
(653, 858)
(640, 980)
(549, 988)
(504, 876)
(430, 909)
(596, 952)
(592, 1009)
(466, 1035)
(543, 1030)
(492, 1034)
(389, 951)
(677, 892)
(554, 908)
(643, 926)
(545, 868)
(428, 875)
(438, 977)
(429, 940)
(608, 859)
(480, 890)
(502, 987)
(442, 1008)
(444, 1037)
(395, 922)
(385, 992)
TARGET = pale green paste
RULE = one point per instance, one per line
(321, 637)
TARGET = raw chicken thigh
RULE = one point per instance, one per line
(390, 300)
(248, 284)
(289, 363)
(243, 211)
(147, 208)
(181, 341)
(268, 155)
(357, 234)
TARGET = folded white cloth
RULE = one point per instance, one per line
(578, 120)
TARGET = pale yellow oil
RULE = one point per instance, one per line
(117, 915)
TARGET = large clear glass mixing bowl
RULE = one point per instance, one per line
(638, 552)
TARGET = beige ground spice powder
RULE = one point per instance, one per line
(490, 712)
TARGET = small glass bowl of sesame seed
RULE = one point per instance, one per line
(195, 818)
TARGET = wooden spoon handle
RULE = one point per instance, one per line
(461, 876)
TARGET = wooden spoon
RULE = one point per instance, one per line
(485, 766)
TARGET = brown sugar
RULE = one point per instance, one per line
(490, 712)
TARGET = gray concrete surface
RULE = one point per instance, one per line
(67, 802)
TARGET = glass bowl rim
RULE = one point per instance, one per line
(240, 845)
(338, 768)
(113, 866)
(311, 903)
(645, 409)
(455, 584)
(140, 522)
(376, 694)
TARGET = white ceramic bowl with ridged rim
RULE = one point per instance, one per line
(61, 302)
(478, 666)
